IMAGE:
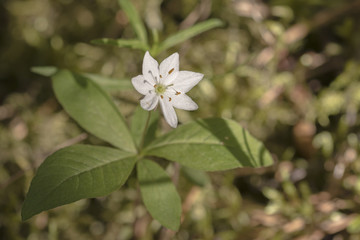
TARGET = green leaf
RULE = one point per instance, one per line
(159, 194)
(76, 172)
(138, 124)
(46, 71)
(135, 19)
(92, 108)
(211, 145)
(109, 84)
(129, 43)
(188, 33)
(197, 177)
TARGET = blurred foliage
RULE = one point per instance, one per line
(287, 70)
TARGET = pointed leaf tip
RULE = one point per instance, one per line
(159, 194)
(211, 145)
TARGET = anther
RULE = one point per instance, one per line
(177, 93)
(162, 97)
(160, 76)
(169, 99)
(171, 70)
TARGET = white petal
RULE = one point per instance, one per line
(141, 85)
(186, 80)
(169, 68)
(149, 102)
(150, 69)
(183, 101)
(169, 113)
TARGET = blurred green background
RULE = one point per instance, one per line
(287, 70)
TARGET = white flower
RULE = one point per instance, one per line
(166, 85)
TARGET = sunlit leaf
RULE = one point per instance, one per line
(76, 172)
(159, 194)
(92, 108)
(188, 33)
(134, 19)
(210, 145)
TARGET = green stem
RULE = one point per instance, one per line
(155, 45)
(144, 132)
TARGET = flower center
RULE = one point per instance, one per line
(160, 89)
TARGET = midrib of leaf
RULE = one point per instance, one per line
(87, 170)
(112, 104)
(102, 117)
(189, 143)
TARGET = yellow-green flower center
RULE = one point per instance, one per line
(160, 89)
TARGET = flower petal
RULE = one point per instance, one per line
(150, 69)
(186, 80)
(169, 113)
(141, 85)
(150, 101)
(169, 68)
(183, 101)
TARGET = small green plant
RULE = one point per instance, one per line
(87, 171)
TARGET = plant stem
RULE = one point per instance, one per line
(144, 132)
(155, 46)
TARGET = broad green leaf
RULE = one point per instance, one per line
(92, 108)
(109, 84)
(188, 33)
(211, 145)
(76, 172)
(46, 71)
(134, 19)
(159, 194)
(138, 124)
(197, 177)
(130, 43)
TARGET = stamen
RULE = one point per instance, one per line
(155, 85)
(154, 77)
(169, 99)
(171, 70)
(147, 82)
(160, 76)
(177, 93)
(162, 97)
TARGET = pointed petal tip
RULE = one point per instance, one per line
(173, 125)
(169, 113)
(148, 56)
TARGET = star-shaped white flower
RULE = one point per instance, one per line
(166, 85)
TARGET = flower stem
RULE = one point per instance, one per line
(145, 130)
